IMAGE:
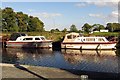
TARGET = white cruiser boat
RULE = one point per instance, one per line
(75, 41)
(21, 40)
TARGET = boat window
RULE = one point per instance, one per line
(90, 39)
(74, 36)
(27, 38)
(42, 38)
(79, 39)
(69, 37)
(37, 38)
(14, 36)
(100, 39)
(22, 34)
(83, 40)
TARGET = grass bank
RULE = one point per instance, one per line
(53, 36)
(56, 36)
(116, 34)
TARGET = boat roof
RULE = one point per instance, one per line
(74, 33)
(92, 37)
(31, 36)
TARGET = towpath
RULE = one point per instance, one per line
(25, 71)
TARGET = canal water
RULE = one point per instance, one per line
(105, 61)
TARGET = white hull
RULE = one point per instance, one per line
(21, 40)
(75, 41)
(87, 46)
(14, 44)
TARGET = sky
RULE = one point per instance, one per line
(63, 14)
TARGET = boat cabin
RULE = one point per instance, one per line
(76, 37)
(76, 41)
(24, 41)
(25, 38)
(70, 37)
(31, 38)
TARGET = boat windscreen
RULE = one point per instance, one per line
(14, 36)
(43, 38)
(22, 34)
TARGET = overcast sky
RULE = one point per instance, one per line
(63, 14)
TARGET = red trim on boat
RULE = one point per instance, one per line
(28, 42)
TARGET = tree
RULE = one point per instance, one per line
(116, 27)
(87, 28)
(113, 27)
(57, 30)
(80, 31)
(0, 19)
(35, 24)
(52, 30)
(9, 20)
(98, 27)
(64, 30)
(22, 20)
(109, 27)
(18, 21)
(73, 28)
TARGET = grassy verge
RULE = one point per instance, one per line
(116, 34)
(56, 36)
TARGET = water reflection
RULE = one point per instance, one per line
(85, 60)
(74, 56)
(24, 56)
(91, 60)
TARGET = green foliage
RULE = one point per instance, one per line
(87, 28)
(64, 30)
(54, 30)
(18, 21)
(113, 27)
(35, 24)
(9, 20)
(98, 27)
(73, 28)
(109, 27)
(22, 20)
(57, 30)
(59, 35)
(106, 34)
(0, 19)
(80, 31)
